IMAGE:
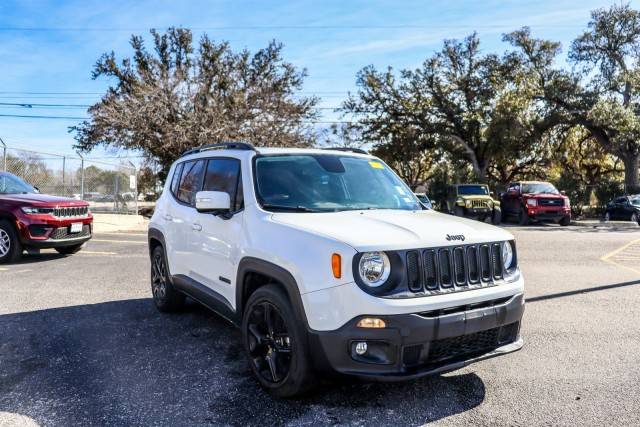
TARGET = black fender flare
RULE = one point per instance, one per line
(250, 265)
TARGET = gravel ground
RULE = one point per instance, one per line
(82, 344)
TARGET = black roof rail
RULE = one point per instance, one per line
(220, 146)
(347, 149)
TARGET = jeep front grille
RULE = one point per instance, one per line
(479, 204)
(454, 268)
(70, 212)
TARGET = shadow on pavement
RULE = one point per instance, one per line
(583, 291)
(122, 362)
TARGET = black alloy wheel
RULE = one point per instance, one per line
(165, 297)
(269, 343)
(275, 340)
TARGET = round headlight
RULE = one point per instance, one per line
(507, 255)
(374, 268)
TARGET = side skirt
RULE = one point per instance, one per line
(206, 296)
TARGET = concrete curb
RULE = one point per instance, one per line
(110, 223)
(609, 224)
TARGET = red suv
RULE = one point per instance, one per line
(535, 201)
(29, 220)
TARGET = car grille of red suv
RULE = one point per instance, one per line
(62, 233)
(550, 202)
(70, 212)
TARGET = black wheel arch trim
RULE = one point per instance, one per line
(250, 265)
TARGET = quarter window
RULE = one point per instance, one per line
(176, 179)
(224, 175)
(190, 182)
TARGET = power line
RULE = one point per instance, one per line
(36, 105)
(26, 116)
(283, 27)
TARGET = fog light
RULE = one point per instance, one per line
(371, 322)
(361, 348)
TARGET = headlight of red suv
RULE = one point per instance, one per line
(32, 210)
(532, 202)
(567, 203)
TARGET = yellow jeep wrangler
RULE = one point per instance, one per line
(472, 201)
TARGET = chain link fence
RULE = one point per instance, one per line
(109, 187)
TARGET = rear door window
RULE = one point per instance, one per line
(190, 182)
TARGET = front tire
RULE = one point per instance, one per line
(165, 296)
(523, 218)
(459, 211)
(635, 218)
(10, 246)
(496, 218)
(566, 220)
(69, 250)
(276, 343)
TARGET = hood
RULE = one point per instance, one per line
(393, 229)
(545, 195)
(42, 199)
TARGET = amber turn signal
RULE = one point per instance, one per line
(336, 265)
(371, 322)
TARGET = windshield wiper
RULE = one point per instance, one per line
(289, 208)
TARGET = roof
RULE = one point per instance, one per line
(287, 150)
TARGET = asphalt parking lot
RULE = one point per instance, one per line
(82, 344)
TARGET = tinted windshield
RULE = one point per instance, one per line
(635, 201)
(473, 190)
(10, 184)
(310, 182)
(538, 188)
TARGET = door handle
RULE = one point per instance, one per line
(196, 227)
(168, 217)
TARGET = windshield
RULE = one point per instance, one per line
(10, 184)
(538, 188)
(328, 183)
(635, 201)
(473, 190)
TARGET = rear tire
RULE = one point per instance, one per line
(165, 296)
(607, 216)
(635, 218)
(276, 343)
(10, 246)
(69, 250)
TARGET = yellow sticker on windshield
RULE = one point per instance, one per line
(376, 165)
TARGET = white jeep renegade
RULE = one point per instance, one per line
(329, 263)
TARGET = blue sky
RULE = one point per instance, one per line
(48, 48)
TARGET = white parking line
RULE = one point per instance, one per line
(135, 242)
(96, 253)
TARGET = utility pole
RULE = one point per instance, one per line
(4, 155)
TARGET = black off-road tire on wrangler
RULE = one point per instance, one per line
(286, 338)
(69, 250)
(459, 211)
(496, 217)
(566, 220)
(165, 296)
(10, 246)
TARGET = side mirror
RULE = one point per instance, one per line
(212, 201)
(564, 193)
(492, 194)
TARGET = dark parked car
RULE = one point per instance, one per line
(625, 208)
(32, 220)
(529, 201)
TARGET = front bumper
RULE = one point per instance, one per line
(418, 344)
(53, 234)
(548, 215)
(477, 212)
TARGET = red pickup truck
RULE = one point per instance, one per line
(529, 201)
(29, 220)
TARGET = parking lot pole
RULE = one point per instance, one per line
(64, 167)
(135, 190)
(81, 175)
(4, 155)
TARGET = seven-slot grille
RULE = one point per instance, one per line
(70, 212)
(454, 268)
(480, 204)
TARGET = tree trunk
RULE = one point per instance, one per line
(631, 178)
